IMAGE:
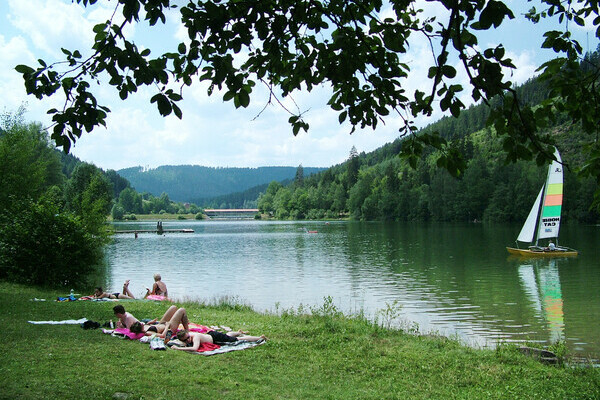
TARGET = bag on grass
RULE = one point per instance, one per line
(90, 325)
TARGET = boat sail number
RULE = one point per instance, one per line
(550, 221)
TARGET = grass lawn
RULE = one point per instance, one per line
(322, 356)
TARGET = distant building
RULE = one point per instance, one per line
(231, 213)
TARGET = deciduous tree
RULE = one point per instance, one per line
(349, 46)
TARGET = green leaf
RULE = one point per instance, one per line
(229, 95)
(163, 104)
(244, 98)
(448, 71)
(24, 69)
(177, 111)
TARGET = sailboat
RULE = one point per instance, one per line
(543, 221)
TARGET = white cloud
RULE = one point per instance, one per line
(49, 24)
(14, 51)
(213, 132)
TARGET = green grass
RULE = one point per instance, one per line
(321, 356)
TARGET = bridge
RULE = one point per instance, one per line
(231, 213)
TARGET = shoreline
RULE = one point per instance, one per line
(360, 359)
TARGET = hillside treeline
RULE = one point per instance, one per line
(489, 190)
(198, 184)
(382, 186)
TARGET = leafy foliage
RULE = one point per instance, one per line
(389, 188)
(348, 46)
(40, 241)
(89, 194)
(45, 246)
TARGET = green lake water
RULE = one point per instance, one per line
(451, 279)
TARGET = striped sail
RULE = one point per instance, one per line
(552, 203)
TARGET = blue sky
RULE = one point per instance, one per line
(213, 133)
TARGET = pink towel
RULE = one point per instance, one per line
(156, 297)
(129, 334)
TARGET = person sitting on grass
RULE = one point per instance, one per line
(126, 320)
(193, 340)
(101, 294)
(159, 288)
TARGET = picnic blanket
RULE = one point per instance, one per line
(209, 349)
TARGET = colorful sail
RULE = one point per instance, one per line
(552, 202)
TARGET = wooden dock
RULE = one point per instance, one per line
(157, 231)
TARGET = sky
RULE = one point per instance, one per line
(214, 133)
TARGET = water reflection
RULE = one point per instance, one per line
(541, 283)
(448, 278)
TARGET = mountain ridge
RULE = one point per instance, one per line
(187, 183)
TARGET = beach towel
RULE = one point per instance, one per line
(64, 322)
(156, 297)
(123, 333)
(203, 346)
(209, 349)
(68, 298)
(92, 298)
(198, 328)
(239, 345)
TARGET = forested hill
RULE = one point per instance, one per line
(192, 182)
(380, 185)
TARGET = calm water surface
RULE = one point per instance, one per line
(448, 278)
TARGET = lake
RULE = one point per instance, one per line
(452, 279)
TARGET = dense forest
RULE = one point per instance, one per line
(196, 184)
(383, 186)
(52, 209)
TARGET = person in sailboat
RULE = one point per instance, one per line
(551, 246)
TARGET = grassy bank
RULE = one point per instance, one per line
(321, 356)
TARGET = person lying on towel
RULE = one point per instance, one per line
(193, 340)
(170, 321)
(99, 293)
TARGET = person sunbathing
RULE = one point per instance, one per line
(159, 288)
(170, 321)
(193, 340)
(99, 293)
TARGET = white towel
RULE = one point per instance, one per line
(65, 322)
